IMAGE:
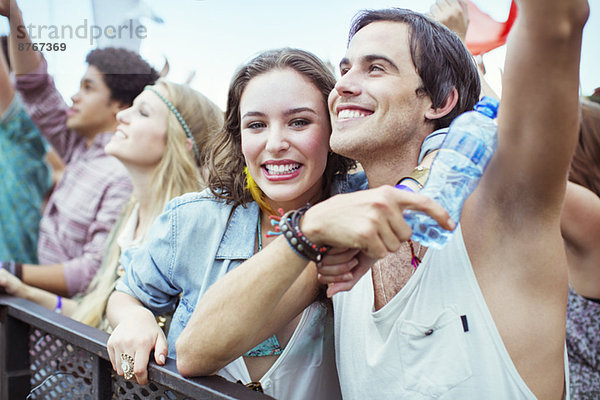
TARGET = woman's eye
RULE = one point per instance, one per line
(299, 123)
(256, 125)
(143, 113)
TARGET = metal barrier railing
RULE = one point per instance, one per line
(44, 355)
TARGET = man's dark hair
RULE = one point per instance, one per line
(440, 58)
(125, 72)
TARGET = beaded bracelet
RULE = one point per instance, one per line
(290, 228)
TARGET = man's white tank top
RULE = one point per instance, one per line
(435, 339)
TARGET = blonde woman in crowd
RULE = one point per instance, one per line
(160, 140)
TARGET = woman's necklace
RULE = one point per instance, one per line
(259, 232)
(271, 346)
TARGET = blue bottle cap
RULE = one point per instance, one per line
(487, 106)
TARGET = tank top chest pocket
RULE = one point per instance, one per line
(433, 353)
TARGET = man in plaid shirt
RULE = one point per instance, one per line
(94, 187)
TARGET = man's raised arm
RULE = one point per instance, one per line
(538, 117)
(23, 59)
(511, 223)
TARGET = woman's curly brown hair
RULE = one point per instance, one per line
(225, 162)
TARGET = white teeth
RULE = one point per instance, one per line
(348, 114)
(281, 169)
(120, 134)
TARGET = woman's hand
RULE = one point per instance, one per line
(11, 284)
(135, 335)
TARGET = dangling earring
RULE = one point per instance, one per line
(257, 194)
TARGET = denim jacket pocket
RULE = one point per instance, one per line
(433, 354)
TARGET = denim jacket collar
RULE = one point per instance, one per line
(240, 234)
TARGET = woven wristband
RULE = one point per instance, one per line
(290, 228)
(58, 308)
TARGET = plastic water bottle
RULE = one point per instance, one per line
(456, 170)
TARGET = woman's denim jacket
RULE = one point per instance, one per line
(196, 241)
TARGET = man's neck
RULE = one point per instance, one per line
(386, 172)
(389, 167)
(91, 136)
(89, 140)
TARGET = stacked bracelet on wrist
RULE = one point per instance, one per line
(13, 267)
(290, 228)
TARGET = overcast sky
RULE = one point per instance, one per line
(213, 37)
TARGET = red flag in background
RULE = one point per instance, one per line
(484, 33)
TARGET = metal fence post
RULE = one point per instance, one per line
(14, 357)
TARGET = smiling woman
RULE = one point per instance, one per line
(285, 142)
(140, 138)
(276, 130)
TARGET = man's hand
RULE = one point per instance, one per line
(369, 220)
(362, 227)
(453, 14)
(6, 6)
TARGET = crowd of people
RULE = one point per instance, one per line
(266, 243)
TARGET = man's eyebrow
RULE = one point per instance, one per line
(378, 57)
(370, 58)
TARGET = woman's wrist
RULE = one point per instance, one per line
(298, 239)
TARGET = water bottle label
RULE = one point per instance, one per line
(479, 152)
(471, 147)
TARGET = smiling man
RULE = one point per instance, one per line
(482, 318)
(91, 193)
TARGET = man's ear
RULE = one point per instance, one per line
(445, 108)
(117, 106)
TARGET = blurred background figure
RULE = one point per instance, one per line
(580, 226)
